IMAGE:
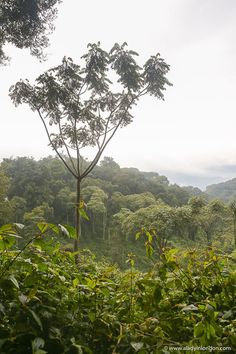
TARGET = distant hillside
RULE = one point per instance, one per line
(225, 191)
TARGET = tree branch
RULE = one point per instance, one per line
(77, 150)
(54, 148)
(67, 149)
(105, 142)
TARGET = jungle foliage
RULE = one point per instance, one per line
(50, 304)
(117, 203)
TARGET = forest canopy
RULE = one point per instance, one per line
(118, 203)
(26, 24)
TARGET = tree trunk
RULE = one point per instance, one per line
(235, 229)
(208, 236)
(192, 233)
(77, 215)
(104, 220)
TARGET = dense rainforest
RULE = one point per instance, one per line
(118, 202)
(155, 271)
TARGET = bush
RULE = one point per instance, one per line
(49, 303)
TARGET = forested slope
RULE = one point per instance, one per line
(225, 191)
(119, 202)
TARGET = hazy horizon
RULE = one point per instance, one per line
(200, 181)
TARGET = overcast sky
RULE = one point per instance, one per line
(191, 136)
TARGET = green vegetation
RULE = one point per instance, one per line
(50, 304)
(118, 203)
(225, 191)
(146, 286)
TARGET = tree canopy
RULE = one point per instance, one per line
(26, 24)
(80, 106)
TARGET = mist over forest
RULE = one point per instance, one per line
(97, 258)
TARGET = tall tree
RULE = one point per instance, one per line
(81, 107)
(29, 180)
(26, 24)
(212, 219)
(5, 209)
(232, 208)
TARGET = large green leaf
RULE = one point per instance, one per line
(83, 214)
(68, 231)
(42, 226)
(198, 329)
(37, 319)
(14, 281)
